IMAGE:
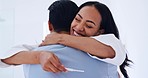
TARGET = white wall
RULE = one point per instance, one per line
(25, 19)
(30, 16)
(131, 18)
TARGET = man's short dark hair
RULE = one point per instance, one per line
(61, 14)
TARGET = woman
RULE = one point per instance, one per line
(93, 19)
(88, 25)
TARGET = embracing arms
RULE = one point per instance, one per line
(106, 46)
(85, 44)
(22, 55)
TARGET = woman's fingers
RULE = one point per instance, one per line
(51, 62)
(52, 68)
(58, 64)
(42, 44)
(47, 69)
(52, 38)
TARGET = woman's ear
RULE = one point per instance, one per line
(101, 31)
(51, 29)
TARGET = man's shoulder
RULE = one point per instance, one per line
(50, 47)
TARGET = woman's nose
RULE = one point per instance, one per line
(80, 27)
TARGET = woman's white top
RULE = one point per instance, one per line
(108, 39)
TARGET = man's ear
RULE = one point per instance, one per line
(51, 29)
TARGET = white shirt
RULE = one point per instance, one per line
(118, 47)
(108, 39)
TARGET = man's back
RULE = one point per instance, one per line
(72, 58)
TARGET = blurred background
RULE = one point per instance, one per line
(25, 21)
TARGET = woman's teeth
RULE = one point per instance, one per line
(76, 34)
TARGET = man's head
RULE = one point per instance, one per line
(61, 15)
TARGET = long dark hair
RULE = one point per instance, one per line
(109, 26)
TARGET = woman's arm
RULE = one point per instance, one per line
(15, 50)
(22, 54)
(103, 46)
(85, 44)
(89, 45)
(48, 60)
(23, 57)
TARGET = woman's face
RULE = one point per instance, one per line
(87, 22)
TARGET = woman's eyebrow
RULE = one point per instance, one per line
(80, 16)
(91, 22)
(87, 20)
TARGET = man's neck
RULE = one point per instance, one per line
(62, 32)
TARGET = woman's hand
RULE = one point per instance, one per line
(50, 62)
(53, 38)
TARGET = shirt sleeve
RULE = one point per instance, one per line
(118, 47)
(14, 50)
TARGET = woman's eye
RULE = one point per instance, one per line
(89, 26)
(77, 19)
